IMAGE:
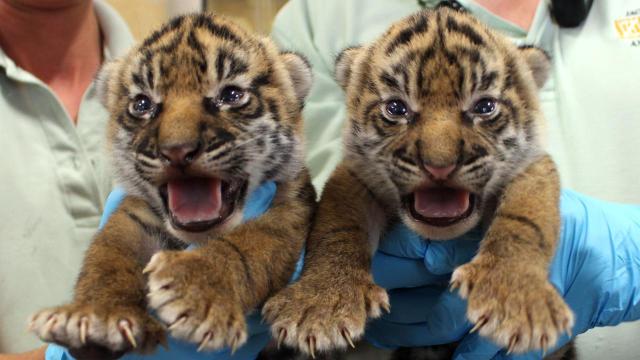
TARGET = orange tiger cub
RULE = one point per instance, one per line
(442, 135)
(202, 113)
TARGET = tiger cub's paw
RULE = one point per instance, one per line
(512, 304)
(313, 317)
(196, 299)
(117, 329)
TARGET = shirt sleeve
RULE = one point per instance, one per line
(325, 110)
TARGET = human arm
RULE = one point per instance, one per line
(37, 354)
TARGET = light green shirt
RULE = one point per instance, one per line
(590, 101)
(54, 181)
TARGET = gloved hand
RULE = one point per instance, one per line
(596, 268)
(257, 203)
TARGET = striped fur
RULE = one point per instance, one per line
(182, 72)
(440, 64)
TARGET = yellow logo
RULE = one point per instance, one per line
(629, 27)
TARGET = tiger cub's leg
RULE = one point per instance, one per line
(510, 298)
(204, 294)
(327, 308)
(108, 310)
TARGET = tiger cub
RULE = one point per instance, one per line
(442, 135)
(202, 114)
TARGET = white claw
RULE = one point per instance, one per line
(234, 344)
(49, 324)
(347, 336)
(177, 322)
(125, 326)
(281, 336)
(84, 327)
(205, 340)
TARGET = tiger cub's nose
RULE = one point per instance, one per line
(181, 154)
(440, 173)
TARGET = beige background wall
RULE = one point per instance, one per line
(144, 16)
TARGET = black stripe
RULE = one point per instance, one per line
(167, 240)
(274, 109)
(510, 142)
(221, 154)
(195, 44)
(339, 230)
(220, 63)
(245, 264)
(307, 194)
(401, 154)
(219, 30)
(475, 168)
(171, 47)
(237, 67)
(259, 111)
(150, 79)
(127, 125)
(137, 79)
(261, 80)
(380, 130)
(170, 26)
(465, 30)
(418, 145)
(525, 221)
(364, 185)
(390, 81)
(487, 80)
(425, 56)
(407, 34)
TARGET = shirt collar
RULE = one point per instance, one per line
(116, 35)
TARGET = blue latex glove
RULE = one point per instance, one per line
(257, 203)
(596, 267)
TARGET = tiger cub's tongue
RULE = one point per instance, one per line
(195, 200)
(441, 202)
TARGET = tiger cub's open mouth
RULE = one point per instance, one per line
(440, 206)
(198, 204)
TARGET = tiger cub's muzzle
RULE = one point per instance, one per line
(195, 200)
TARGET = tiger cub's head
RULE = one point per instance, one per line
(202, 112)
(442, 112)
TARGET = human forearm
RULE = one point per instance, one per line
(37, 354)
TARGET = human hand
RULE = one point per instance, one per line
(595, 268)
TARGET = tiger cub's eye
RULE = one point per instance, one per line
(396, 108)
(141, 106)
(484, 106)
(231, 95)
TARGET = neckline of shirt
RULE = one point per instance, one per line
(505, 26)
(117, 40)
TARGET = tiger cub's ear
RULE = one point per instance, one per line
(344, 65)
(539, 63)
(105, 80)
(299, 70)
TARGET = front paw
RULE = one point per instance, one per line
(512, 304)
(312, 316)
(117, 329)
(193, 297)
